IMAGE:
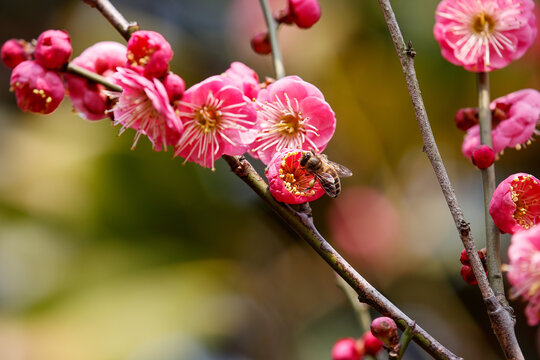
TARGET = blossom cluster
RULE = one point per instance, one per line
(227, 114)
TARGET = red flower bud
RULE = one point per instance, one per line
(466, 118)
(53, 49)
(483, 156)
(346, 349)
(15, 51)
(260, 43)
(385, 329)
(175, 87)
(372, 345)
(468, 275)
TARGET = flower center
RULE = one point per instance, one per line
(288, 124)
(207, 118)
(483, 23)
(296, 180)
(525, 193)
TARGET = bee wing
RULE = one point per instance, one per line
(341, 170)
(328, 183)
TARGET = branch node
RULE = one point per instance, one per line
(410, 50)
(464, 228)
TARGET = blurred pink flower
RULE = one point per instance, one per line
(515, 204)
(244, 78)
(53, 49)
(149, 53)
(515, 117)
(15, 51)
(346, 349)
(372, 345)
(37, 89)
(292, 114)
(304, 13)
(289, 182)
(90, 99)
(144, 106)
(484, 35)
(175, 87)
(523, 272)
(218, 119)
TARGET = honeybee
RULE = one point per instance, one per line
(327, 172)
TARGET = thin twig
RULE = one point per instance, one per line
(124, 27)
(77, 70)
(272, 33)
(501, 319)
(488, 185)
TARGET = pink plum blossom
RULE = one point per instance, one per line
(144, 106)
(149, 53)
(15, 51)
(218, 119)
(292, 114)
(515, 117)
(523, 271)
(515, 204)
(90, 99)
(289, 182)
(245, 78)
(53, 49)
(484, 35)
(37, 89)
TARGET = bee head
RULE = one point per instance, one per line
(306, 155)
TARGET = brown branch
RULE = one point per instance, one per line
(302, 223)
(124, 27)
(502, 321)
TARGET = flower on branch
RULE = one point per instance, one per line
(37, 89)
(144, 105)
(523, 272)
(149, 53)
(245, 78)
(289, 182)
(484, 35)
(218, 119)
(89, 98)
(514, 121)
(292, 114)
(515, 204)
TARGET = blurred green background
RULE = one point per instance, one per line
(107, 253)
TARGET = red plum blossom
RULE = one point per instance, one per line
(289, 182)
(218, 119)
(304, 13)
(89, 99)
(15, 51)
(292, 114)
(149, 53)
(515, 117)
(484, 35)
(515, 204)
(37, 89)
(523, 271)
(144, 105)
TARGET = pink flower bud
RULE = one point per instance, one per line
(305, 13)
(483, 156)
(372, 345)
(515, 204)
(149, 53)
(37, 90)
(175, 87)
(53, 49)
(468, 275)
(260, 43)
(289, 182)
(385, 329)
(15, 51)
(346, 349)
(466, 118)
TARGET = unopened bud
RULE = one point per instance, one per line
(346, 349)
(53, 49)
(385, 329)
(466, 118)
(483, 156)
(260, 43)
(175, 87)
(15, 51)
(468, 275)
(372, 345)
